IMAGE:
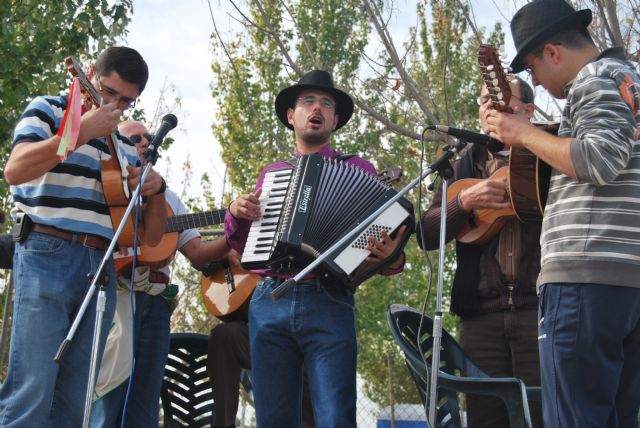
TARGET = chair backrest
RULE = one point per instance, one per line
(457, 373)
(187, 399)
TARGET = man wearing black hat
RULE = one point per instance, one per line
(314, 323)
(589, 317)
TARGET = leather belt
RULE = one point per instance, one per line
(91, 241)
(309, 281)
(158, 277)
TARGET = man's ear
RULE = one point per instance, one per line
(336, 119)
(529, 108)
(290, 116)
(555, 53)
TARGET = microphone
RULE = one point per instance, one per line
(169, 121)
(491, 144)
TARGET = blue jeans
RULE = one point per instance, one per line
(589, 339)
(151, 319)
(309, 325)
(50, 284)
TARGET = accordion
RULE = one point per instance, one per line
(306, 209)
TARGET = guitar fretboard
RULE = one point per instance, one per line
(194, 220)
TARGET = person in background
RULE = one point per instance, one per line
(154, 299)
(494, 288)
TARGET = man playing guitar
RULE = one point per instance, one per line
(65, 231)
(494, 286)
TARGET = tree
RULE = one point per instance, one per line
(35, 38)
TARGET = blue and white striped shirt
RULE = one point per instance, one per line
(70, 195)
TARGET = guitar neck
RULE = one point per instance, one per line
(191, 221)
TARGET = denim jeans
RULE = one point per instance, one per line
(589, 338)
(151, 319)
(309, 325)
(50, 285)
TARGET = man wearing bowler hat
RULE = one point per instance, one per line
(589, 315)
(313, 324)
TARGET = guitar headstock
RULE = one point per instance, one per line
(89, 92)
(390, 175)
(494, 76)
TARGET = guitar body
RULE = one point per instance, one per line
(155, 257)
(227, 292)
(528, 184)
(486, 222)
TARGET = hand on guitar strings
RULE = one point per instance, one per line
(98, 122)
(382, 249)
(490, 193)
(512, 129)
(153, 185)
(247, 206)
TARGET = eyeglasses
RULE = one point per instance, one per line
(112, 93)
(137, 138)
(311, 100)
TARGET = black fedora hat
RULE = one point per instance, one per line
(316, 79)
(540, 19)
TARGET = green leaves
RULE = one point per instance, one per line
(35, 38)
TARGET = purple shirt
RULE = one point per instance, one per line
(236, 229)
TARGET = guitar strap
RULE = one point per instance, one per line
(464, 292)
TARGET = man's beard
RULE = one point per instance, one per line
(315, 137)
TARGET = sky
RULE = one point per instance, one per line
(174, 38)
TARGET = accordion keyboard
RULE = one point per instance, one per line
(261, 240)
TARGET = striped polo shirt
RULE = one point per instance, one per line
(70, 195)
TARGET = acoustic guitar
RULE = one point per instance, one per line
(113, 170)
(161, 254)
(527, 175)
(227, 289)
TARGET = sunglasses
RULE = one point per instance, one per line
(137, 138)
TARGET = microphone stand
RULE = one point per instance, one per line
(99, 279)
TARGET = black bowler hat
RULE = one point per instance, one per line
(536, 21)
(316, 79)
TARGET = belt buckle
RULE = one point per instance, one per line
(84, 241)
